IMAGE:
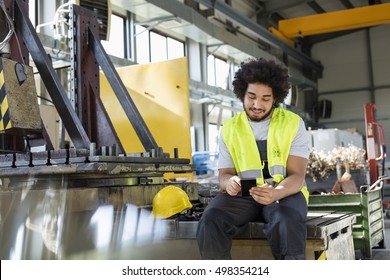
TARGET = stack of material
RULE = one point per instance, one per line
(322, 164)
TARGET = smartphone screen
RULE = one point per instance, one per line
(246, 184)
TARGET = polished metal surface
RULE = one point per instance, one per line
(81, 204)
(73, 224)
(51, 221)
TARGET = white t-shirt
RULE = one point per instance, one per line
(300, 146)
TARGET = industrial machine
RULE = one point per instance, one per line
(52, 201)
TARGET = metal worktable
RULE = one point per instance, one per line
(329, 237)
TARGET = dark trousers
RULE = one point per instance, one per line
(225, 216)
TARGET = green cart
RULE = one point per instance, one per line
(369, 230)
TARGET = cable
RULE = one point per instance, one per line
(10, 33)
(10, 25)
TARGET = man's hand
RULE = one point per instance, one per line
(233, 186)
(264, 194)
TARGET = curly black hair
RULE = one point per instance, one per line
(263, 71)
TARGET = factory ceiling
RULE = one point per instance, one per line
(231, 27)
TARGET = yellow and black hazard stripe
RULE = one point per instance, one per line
(320, 255)
(5, 122)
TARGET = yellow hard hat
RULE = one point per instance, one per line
(169, 201)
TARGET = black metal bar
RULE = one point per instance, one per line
(85, 74)
(121, 93)
(52, 82)
(19, 52)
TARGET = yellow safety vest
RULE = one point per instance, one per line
(241, 143)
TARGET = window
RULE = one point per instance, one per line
(210, 70)
(32, 12)
(142, 44)
(175, 48)
(218, 72)
(152, 46)
(116, 44)
(158, 46)
(217, 116)
(213, 138)
(233, 69)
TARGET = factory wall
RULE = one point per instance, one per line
(356, 71)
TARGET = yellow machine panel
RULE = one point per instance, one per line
(160, 92)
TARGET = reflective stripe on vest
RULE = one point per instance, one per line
(241, 143)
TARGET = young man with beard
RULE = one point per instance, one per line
(268, 144)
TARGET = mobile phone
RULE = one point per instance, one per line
(246, 184)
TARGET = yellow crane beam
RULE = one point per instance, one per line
(278, 34)
(336, 21)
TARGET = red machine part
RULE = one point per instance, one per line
(375, 142)
(376, 148)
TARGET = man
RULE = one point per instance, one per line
(269, 144)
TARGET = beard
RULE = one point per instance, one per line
(261, 118)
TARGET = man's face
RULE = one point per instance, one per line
(258, 102)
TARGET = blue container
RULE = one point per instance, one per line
(204, 161)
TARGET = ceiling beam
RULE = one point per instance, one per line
(336, 21)
(263, 33)
(316, 7)
(277, 6)
(347, 4)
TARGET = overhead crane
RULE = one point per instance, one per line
(361, 17)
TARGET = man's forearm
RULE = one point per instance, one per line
(289, 186)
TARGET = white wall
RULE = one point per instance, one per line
(346, 78)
